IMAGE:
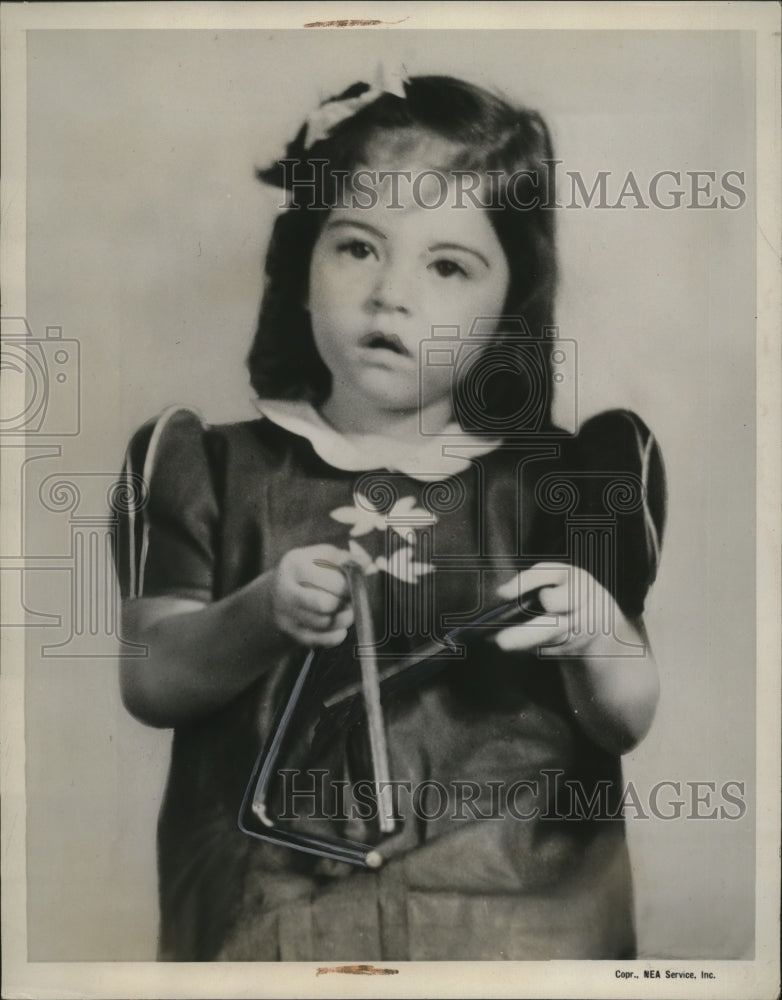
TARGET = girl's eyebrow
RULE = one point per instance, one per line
(350, 223)
(464, 249)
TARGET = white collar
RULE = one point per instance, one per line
(430, 458)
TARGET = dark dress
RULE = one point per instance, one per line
(536, 867)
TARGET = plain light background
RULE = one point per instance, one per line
(146, 235)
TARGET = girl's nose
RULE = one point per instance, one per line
(391, 290)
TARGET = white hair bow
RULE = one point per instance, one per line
(322, 121)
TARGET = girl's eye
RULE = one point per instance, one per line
(446, 268)
(356, 248)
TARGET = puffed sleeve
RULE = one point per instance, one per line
(623, 504)
(165, 542)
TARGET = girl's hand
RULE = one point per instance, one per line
(310, 596)
(578, 611)
(608, 671)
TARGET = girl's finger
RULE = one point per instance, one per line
(328, 553)
(320, 621)
(540, 575)
(315, 621)
(522, 638)
(344, 619)
(319, 577)
(555, 600)
(327, 557)
(318, 600)
(334, 637)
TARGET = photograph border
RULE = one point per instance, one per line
(758, 978)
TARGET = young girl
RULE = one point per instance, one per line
(404, 362)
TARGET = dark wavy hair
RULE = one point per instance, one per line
(486, 133)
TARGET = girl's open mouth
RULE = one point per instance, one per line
(384, 341)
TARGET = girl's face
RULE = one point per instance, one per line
(381, 278)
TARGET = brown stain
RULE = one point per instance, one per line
(351, 23)
(356, 970)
